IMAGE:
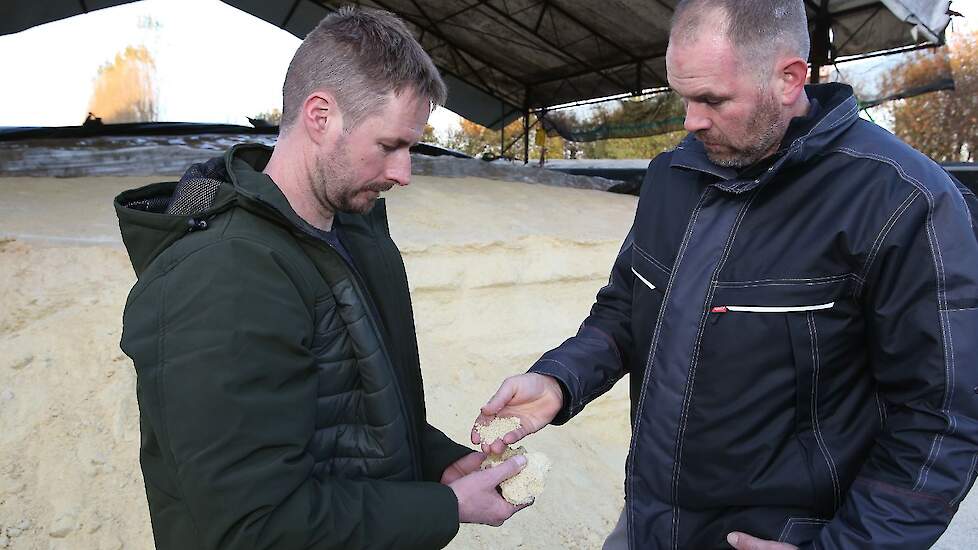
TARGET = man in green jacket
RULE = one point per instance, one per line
(280, 395)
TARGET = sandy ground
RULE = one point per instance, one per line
(500, 272)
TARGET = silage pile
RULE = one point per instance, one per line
(500, 272)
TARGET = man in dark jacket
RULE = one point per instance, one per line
(280, 396)
(796, 305)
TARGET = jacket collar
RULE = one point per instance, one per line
(839, 110)
(245, 163)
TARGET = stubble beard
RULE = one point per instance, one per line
(766, 124)
(335, 181)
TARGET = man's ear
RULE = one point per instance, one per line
(793, 74)
(320, 116)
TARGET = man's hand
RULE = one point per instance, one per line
(478, 499)
(742, 541)
(462, 467)
(534, 398)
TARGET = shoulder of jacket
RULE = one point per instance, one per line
(243, 237)
(884, 153)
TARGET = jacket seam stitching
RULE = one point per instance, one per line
(788, 282)
(826, 454)
(649, 257)
(880, 408)
(630, 467)
(967, 480)
(571, 408)
(941, 303)
(790, 524)
(852, 108)
(701, 170)
(691, 375)
(881, 237)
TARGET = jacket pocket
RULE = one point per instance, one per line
(648, 291)
(651, 279)
(819, 459)
(753, 397)
(799, 531)
(649, 273)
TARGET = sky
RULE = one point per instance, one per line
(214, 63)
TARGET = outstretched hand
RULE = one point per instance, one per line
(533, 398)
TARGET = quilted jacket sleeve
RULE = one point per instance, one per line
(227, 382)
(439, 452)
(922, 311)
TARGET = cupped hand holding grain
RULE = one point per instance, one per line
(534, 399)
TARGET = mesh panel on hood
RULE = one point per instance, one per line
(197, 188)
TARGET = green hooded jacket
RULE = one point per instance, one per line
(277, 410)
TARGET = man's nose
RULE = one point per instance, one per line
(695, 119)
(399, 167)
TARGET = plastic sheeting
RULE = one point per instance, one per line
(502, 57)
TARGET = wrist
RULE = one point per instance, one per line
(555, 388)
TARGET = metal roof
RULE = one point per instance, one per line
(501, 58)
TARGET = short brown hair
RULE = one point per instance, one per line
(759, 29)
(359, 55)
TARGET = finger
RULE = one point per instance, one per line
(740, 541)
(512, 437)
(743, 541)
(481, 420)
(506, 470)
(503, 510)
(499, 400)
(471, 461)
(497, 447)
(521, 506)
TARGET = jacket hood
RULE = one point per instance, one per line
(153, 217)
(838, 111)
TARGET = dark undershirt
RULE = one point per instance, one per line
(332, 237)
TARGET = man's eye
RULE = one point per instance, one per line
(387, 148)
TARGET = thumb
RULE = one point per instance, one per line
(506, 470)
(743, 541)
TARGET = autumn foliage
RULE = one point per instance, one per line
(125, 89)
(943, 125)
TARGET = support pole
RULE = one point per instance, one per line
(502, 128)
(821, 44)
(526, 125)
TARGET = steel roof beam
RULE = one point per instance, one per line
(434, 30)
(604, 38)
(615, 65)
(556, 47)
